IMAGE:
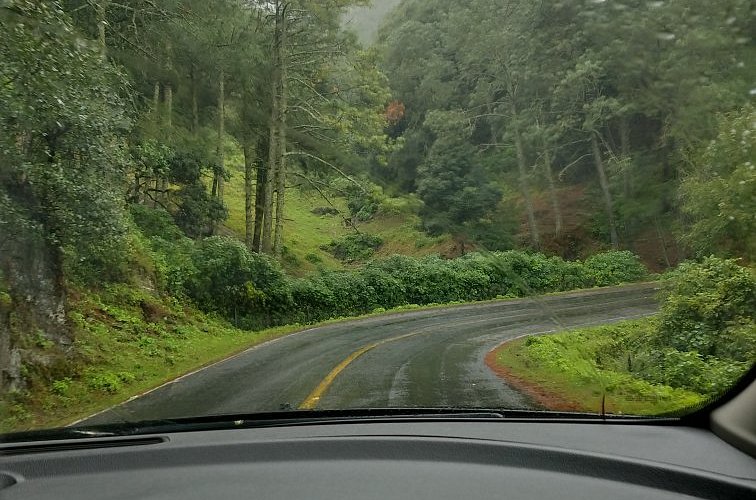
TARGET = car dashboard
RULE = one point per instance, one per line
(414, 459)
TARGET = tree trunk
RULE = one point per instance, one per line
(101, 9)
(260, 205)
(249, 215)
(274, 146)
(604, 182)
(523, 171)
(555, 205)
(266, 245)
(281, 150)
(161, 184)
(625, 151)
(168, 107)
(156, 103)
(221, 136)
(195, 106)
(662, 242)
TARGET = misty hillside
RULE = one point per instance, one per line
(366, 20)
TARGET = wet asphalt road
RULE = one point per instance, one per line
(414, 359)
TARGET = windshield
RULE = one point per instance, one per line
(241, 207)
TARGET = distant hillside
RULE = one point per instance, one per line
(366, 20)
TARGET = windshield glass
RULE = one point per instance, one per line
(252, 206)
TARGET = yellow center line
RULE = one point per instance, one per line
(311, 401)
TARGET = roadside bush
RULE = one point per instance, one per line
(708, 308)
(389, 291)
(229, 280)
(689, 370)
(170, 250)
(174, 264)
(613, 268)
(354, 247)
(311, 300)
(233, 281)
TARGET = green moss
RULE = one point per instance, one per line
(5, 300)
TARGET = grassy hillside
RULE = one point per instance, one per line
(127, 340)
(306, 233)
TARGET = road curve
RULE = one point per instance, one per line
(425, 358)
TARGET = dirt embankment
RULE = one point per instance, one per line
(549, 400)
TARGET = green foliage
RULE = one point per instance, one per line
(363, 200)
(155, 222)
(689, 370)
(196, 210)
(639, 77)
(105, 382)
(451, 183)
(354, 247)
(615, 267)
(392, 207)
(402, 280)
(170, 252)
(62, 163)
(62, 387)
(719, 195)
(703, 340)
(709, 309)
(233, 281)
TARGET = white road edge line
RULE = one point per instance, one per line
(194, 372)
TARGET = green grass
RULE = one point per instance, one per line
(305, 233)
(582, 366)
(120, 354)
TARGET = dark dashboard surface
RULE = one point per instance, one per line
(412, 459)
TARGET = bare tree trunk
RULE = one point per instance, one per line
(535, 237)
(152, 182)
(629, 224)
(156, 103)
(604, 182)
(162, 183)
(195, 106)
(555, 205)
(625, 150)
(662, 242)
(249, 195)
(281, 150)
(168, 106)
(221, 135)
(260, 205)
(101, 9)
(274, 146)
(266, 245)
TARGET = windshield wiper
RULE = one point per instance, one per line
(311, 417)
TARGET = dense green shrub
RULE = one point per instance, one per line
(155, 222)
(709, 308)
(233, 281)
(353, 247)
(170, 250)
(689, 370)
(222, 276)
(363, 198)
(612, 268)
(402, 280)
